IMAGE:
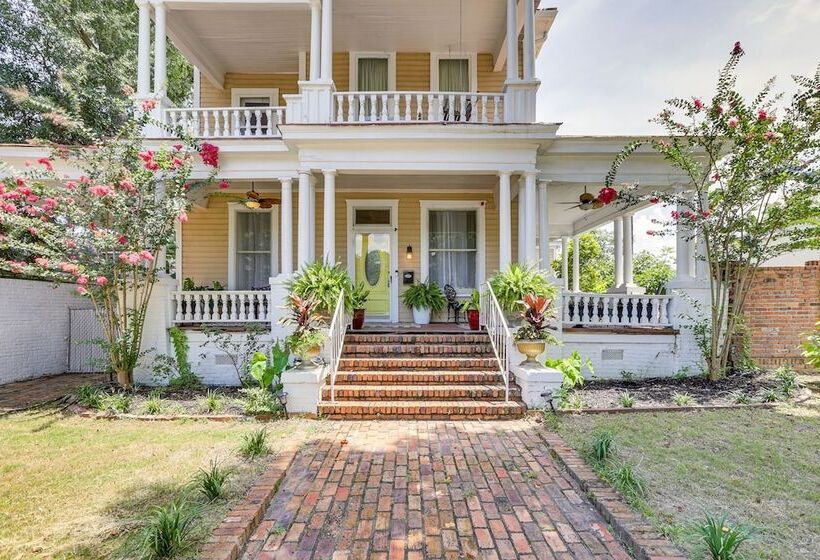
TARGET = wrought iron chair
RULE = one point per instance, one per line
(452, 302)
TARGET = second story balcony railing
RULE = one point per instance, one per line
(418, 106)
(228, 122)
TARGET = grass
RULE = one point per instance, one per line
(758, 467)
(77, 488)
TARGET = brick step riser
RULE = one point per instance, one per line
(408, 378)
(419, 350)
(353, 410)
(449, 393)
(410, 416)
(410, 356)
(416, 339)
(410, 364)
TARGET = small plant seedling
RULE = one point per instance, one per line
(682, 399)
(626, 400)
(255, 444)
(721, 540)
(211, 482)
(624, 478)
(770, 395)
(741, 398)
(602, 446)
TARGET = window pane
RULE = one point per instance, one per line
(456, 268)
(373, 74)
(454, 74)
(253, 271)
(255, 101)
(253, 231)
(453, 229)
(372, 216)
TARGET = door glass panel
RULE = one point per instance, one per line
(372, 217)
(372, 261)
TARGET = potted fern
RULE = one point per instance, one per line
(424, 299)
(512, 284)
(358, 297)
(532, 336)
(472, 309)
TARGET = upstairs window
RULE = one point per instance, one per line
(454, 74)
(373, 74)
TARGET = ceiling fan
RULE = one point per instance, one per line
(254, 200)
(586, 201)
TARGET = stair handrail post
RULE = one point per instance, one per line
(499, 331)
(336, 336)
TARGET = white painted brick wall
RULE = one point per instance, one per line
(34, 327)
(644, 355)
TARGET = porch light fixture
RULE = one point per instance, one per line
(409, 252)
(283, 400)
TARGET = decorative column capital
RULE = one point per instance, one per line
(141, 3)
(531, 174)
(505, 174)
(156, 3)
(329, 172)
(305, 171)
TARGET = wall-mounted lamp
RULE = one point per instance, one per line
(409, 252)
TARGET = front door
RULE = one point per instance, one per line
(373, 257)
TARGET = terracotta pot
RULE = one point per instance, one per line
(358, 319)
(473, 319)
(531, 349)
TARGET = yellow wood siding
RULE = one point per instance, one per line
(413, 71)
(210, 96)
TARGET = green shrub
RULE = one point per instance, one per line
(788, 380)
(255, 444)
(811, 347)
(624, 478)
(116, 402)
(602, 447)
(770, 395)
(211, 482)
(626, 400)
(169, 532)
(185, 377)
(89, 396)
(512, 284)
(682, 399)
(571, 367)
(424, 295)
(260, 401)
(628, 376)
(323, 282)
(720, 540)
(212, 402)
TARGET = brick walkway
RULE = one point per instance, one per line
(21, 394)
(414, 490)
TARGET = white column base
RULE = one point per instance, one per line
(317, 101)
(535, 379)
(303, 386)
(627, 289)
(519, 101)
(295, 108)
(278, 301)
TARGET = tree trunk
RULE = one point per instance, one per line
(125, 378)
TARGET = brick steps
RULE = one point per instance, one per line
(417, 364)
(420, 350)
(430, 377)
(397, 338)
(391, 410)
(396, 392)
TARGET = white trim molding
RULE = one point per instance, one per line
(233, 209)
(472, 63)
(354, 68)
(480, 262)
(238, 93)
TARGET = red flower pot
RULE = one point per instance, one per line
(358, 319)
(472, 318)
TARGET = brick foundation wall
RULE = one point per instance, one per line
(784, 303)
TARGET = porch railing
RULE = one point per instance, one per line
(228, 122)
(418, 106)
(492, 318)
(221, 307)
(616, 309)
(336, 340)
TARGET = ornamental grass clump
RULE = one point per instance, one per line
(721, 540)
(210, 482)
(170, 530)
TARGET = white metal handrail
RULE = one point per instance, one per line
(579, 308)
(336, 340)
(228, 122)
(492, 317)
(234, 306)
(418, 106)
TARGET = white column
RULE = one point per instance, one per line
(512, 41)
(160, 68)
(529, 216)
(144, 50)
(576, 263)
(315, 39)
(619, 251)
(329, 238)
(303, 224)
(522, 223)
(565, 261)
(178, 273)
(286, 221)
(628, 247)
(544, 228)
(529, 39)
(327, 40)
(312, 214)
(196, 89)
(504, 221)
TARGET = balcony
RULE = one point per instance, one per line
(227, 122)
(418, 106)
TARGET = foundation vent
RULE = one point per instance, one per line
(610, 354)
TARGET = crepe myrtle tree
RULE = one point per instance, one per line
(751, 192)
(104, 231)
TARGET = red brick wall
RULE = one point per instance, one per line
(784, 303)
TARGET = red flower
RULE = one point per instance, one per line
(762, 115)
(209, 154)
(654, 200)
(733, 122)
(146, 155)
(21, 182)
(223, 184)
(607, 195)
(122, 240)
(737, 50)
(675, 215)
(716, 176)
(706, 213)
(45, 162)
(151, 165)
(698, 103)
(100, 190)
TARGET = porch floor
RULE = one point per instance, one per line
(412, 328)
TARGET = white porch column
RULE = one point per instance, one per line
(315, 39)
(618, 224)
(196, 89)
(303, 254)
(160, 68)
(544, 228)
(286, 224)
(565, 261)
(522, 223)
(327, 40)
(178, 273)
(529, 40)
(312, 214)
(682, 273)
(576, 263)
(329, 238)
(512, 41)
(504, 221)
(529, 216)
(628, 250)
(144, 50)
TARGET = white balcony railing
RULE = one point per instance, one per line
(221, 307)
(493, 319)
(616, 309)
(228, 122)
(418, 106)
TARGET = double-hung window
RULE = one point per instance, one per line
(253, 246)
(453, 248)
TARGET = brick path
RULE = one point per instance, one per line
(21, 394)
(414, 490)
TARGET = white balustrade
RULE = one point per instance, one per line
(221, 307)
(227, 122)
(336, 340)
(580, 308)
(493, 319)
(418, 106)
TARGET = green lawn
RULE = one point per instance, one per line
(760, 467)
(80, 488)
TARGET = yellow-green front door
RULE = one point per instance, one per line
(372, 262)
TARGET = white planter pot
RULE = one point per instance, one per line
(421, 316)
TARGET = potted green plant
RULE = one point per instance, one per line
(307, 339)
(358, 297)
(516, 281)
(532, 336)
(472, 309)
(424, 299)
(322, 282)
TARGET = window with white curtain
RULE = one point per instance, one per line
(373, 74)
(253, 249)
(453, 248)
(454, 74)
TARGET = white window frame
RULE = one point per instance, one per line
(271, 93)
(233, 209)
(472, 68)
(480, 261)
(393, 205)
(354, 68)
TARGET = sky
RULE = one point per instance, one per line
(608, 65)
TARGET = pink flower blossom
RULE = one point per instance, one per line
(183, 217)
(45, 162)
(32, 198)
(650, 232)
(209, 154)
(223, 184)
(70, 185)
(21, 182)
(698, 103)
(762, 115)
(69, 268)
(70, 243)
(148, 105)
(100, 190)
(607, 195)
(151, 165)
(146, 255)
(41, 262)
(33, 231)
(769, 135)
(176, 162)
(715, 176)
(102, 280)
(146, 155)
(733, 122)
(127, 186)
(82, 280)
(24, 190)
(82, 290)
(85, 180)
(9, 208)
(706, 213)
(675, 215)
(664, 143)
(178, 147)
